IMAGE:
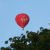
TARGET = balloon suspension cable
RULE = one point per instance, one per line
(23, 29)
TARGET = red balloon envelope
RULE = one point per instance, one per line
(22, 19)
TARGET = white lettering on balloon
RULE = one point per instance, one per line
(24, 20)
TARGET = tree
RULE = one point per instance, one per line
(33, 41)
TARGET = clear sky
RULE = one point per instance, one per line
(38, 11)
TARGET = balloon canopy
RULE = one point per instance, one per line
(22, 19)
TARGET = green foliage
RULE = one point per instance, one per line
(33, 41)
(6, 42)
(3, 48)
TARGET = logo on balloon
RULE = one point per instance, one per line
(24, 19)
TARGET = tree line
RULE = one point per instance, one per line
(39, 40)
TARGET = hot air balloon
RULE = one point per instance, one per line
(22, 19)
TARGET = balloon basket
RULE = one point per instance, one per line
(22, 28)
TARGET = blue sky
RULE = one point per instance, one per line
(38, 11)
